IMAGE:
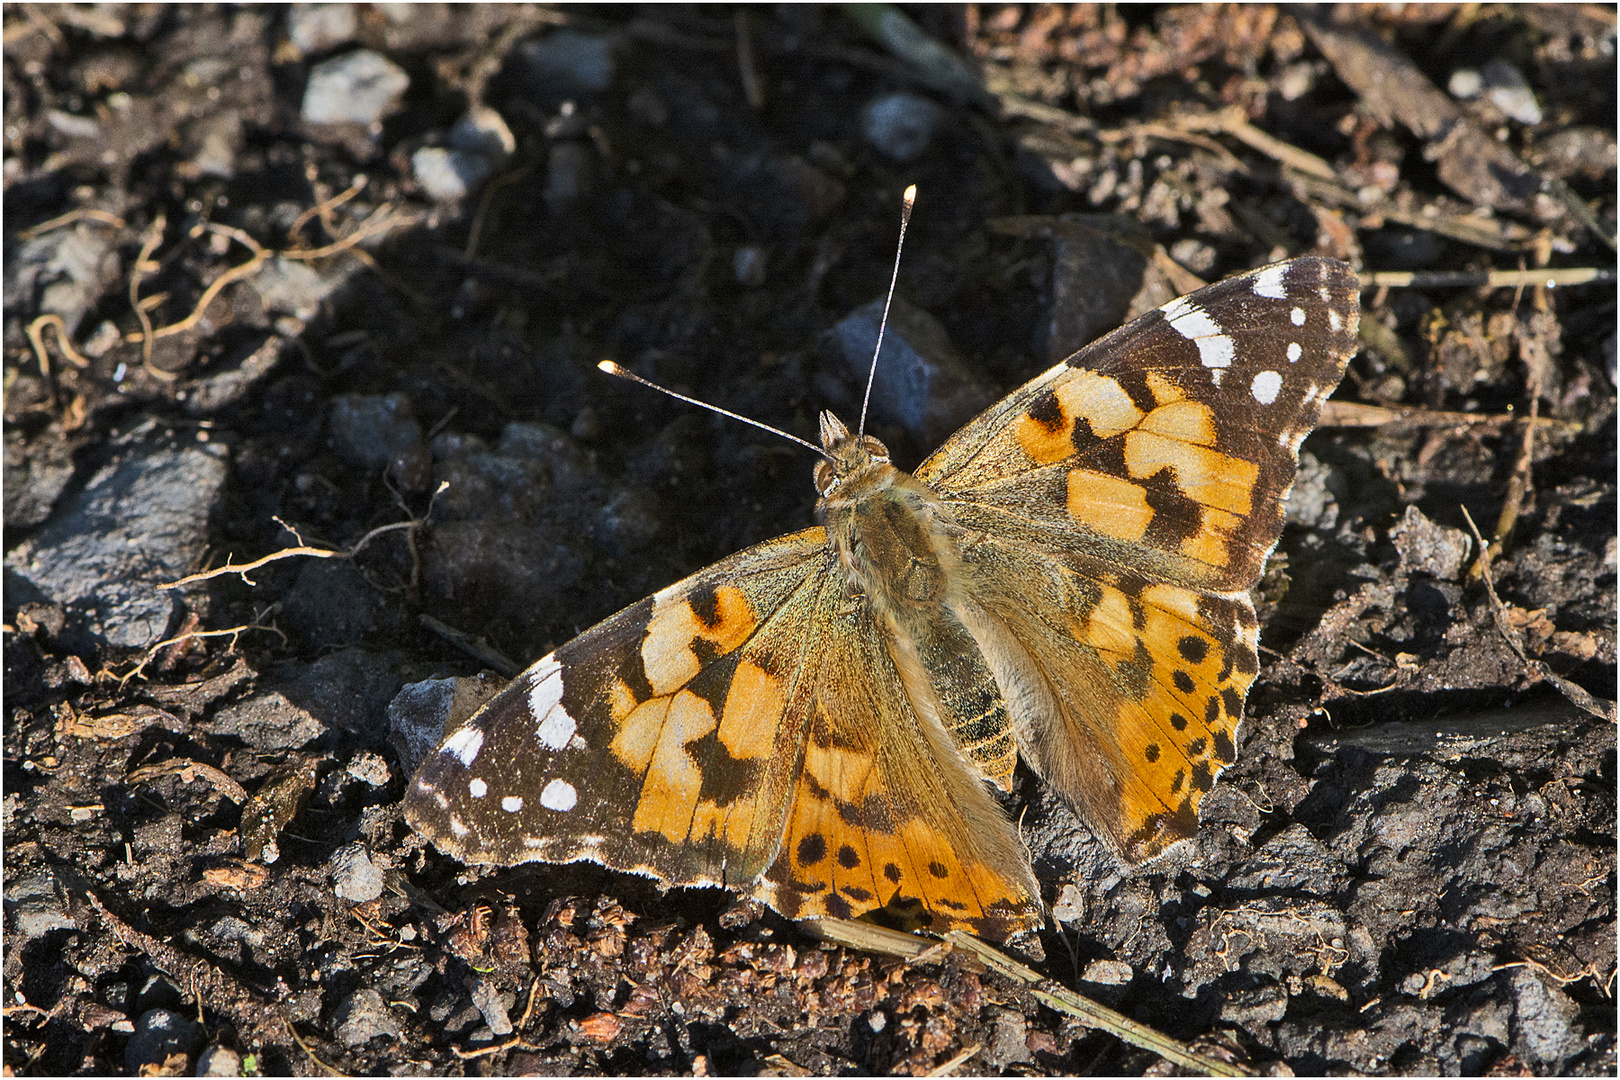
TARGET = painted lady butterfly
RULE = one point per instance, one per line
(812, 721)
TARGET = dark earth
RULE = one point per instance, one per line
(276, 276)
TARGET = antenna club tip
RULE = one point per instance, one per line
(608, 366)
(910, 197)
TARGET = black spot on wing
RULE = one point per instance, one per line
(1046, 411)
(1193, 649)
(848, 857)
(811, 850)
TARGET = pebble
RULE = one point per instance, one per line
(1428, 548)
(568, 62)
(748, 266)
(448, 175)
(318, 28)
(900, 125)
(421, 711)
(369, 431)
(354, 875)
(219, 1060)
(36, 473)
(370, 768)
(64, 272)
(360, 87)
(295, 287)
(1108, 973)
(921, 382)
(362, 1017)
(1007, 1046)
(141, 520)
(35, 905)
(483, 131)
(1544, 1023)
(159, 1033)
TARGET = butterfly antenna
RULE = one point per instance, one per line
(624, 373)
(909, 200)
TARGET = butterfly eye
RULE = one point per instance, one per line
(825, 476)
(878, 451)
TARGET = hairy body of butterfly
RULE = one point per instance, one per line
(812, 721)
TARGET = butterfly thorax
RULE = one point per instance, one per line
(891, 534)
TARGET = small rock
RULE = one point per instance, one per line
(293, 287)
(318, 28)
(36, 905)
(748, 266)
(483, 131)
(1254, 1006)
(354, 875)
(448, 175)
(1099, 280)
(568, 62)
(922, 383)
(900, 124)
(140, 521)
(1007, 1045)
(421, 711)
(1292, 861)
(360, 87)
(363, 1016)
(1508, 91)
(1546, 1023)
(488, 1001)
(64, 272)
(369, 431)
(36, 472)
(217, 1060)
(370, 768)
(159, 1034)
(1108, 973)
(568, 174)
(628, 523)
(1428, 548)
(1313, 501)
(215, 141)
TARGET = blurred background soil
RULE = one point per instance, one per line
(338, 277)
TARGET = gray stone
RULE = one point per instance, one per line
(362, 1017)
(64, 272)
(448, 175)
(488, 1001)
(217, 1060)
(140, 521)
(922, 383)
(568, 62)
(748, 266)
(268, 722)
(369, 431)
(370, 768)
(293, 287)
(360, 87)
(317, 28)
(1251, 1007)
(159, 1033)
(354, 875)
(900, 124)
(1007, 1045)
(1313, 501)
(420, 712)
(628, 523)
(1545, 1023)
(483, 131)
(1428, 548)
(1507, 90)
(36, 472)
(36, 905)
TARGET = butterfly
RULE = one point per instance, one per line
(817, 721)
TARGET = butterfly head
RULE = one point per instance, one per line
(848, 455)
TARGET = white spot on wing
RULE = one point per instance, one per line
(1294, 351)
(1297, 316)
(560, 796)
(1269, 282)
(1265, 387)
(464, 744)
(457, 826)
(512, 803)
(1215, 349)
(477, 788)
(1334, 321)
(556, 729)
